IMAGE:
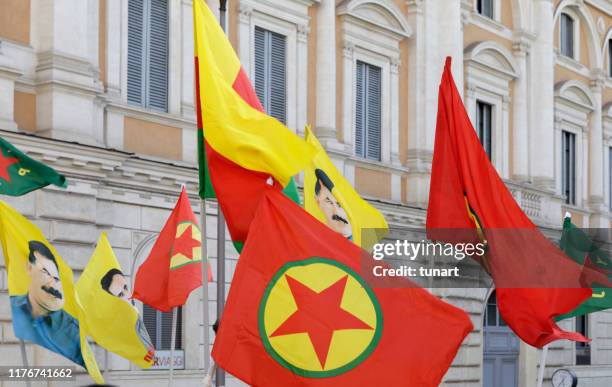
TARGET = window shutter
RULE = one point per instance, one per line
(373, 113)
(277, 99)
(260, 65)
(271, 73)
(360, 110)
(149, 316)
(158, 55)
(135, 68)
(166, 328)
(567, 35)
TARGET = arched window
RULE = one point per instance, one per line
(566, 38)
(485, 8)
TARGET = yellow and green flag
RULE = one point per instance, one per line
(44, 304)
(329, 197)
(109, 317)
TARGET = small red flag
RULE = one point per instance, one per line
(535, 281)
(174, 267)
(301, 312)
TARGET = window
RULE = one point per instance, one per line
(483, 125)
(583, 350)
(610, 58)
(485, 8)
(567, 35)
(368, 111)
(147, 67)
(568, 167)
(270, 72)
(492, 318)
(159, 326)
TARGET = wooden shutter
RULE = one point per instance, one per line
(278, 77)
(360, 109)
(149, 316)
(135, 58)
(567, 35)
(260, 64)
(157, 92)
(368, 111)
(373, 138)
(271, 73)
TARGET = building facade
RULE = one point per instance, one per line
(102, 91)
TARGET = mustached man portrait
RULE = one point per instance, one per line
(335, 216)
(38, 315)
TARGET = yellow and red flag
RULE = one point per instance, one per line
(243, 151)
(302, 313)
(174, 267)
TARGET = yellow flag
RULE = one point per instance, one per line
(109, 317)
(44, 305)
(232, 127)
(329, 197)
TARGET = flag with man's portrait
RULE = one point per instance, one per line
(44, 305)
(110, 318)
(329, 197)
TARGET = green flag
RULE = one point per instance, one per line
(19, 174)
(579, 247)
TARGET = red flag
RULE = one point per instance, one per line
(300, 312)
(174, 267)
(535, 281)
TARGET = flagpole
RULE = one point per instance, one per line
(220, 374)
(172, 344)
(542, 365)
(204, 254)
(24, 359)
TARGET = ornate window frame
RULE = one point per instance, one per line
(489, 70)
(371, 33)
(288, 18)
(573, 105)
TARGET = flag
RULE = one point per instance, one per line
(173, 268)
(109, 317)
(20, 174)
(44, 304)
(300, 312)
(243, 151)
(579, 247)
(535, 281)
(331, 199)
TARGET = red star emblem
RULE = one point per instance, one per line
(319, 315)
(185, 243)
(5, 163)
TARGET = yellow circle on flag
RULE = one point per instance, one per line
(319, 318)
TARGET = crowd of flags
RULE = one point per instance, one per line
(299, 311)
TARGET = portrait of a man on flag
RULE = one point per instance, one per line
(115, 283)
(38, 315)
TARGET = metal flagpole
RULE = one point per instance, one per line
(24, 359)
(206, 318)
(105, 363)
(220, 374)
(542, 365)
(172, 343)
